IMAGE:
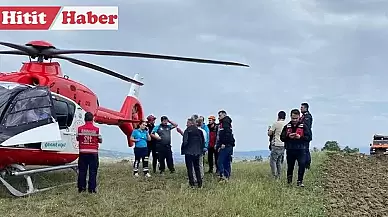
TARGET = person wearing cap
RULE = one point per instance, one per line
(152, 144)
(162, 134)
(212, 153)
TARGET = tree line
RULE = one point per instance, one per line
(334, 146)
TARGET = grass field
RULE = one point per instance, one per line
(250, 192)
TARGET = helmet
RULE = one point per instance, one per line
(211, 117)
(151, 118)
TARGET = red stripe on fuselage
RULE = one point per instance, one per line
(30, 156)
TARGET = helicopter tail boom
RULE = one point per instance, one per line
(131, 113)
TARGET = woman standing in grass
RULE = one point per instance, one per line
(140, 137)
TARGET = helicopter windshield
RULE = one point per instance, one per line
(23, 108)
(29, 106)
(7, 92)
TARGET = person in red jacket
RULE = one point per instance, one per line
(89, 138)
(212, 152)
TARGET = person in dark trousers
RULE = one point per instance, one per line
(307, 119)
(162, 133)
(151, 145)
(225, 145)
(140, 136)
(192, 147)
(295, 135)
(212, 153)
(89, 138)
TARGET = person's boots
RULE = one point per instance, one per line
(289, 179)
(299, 184)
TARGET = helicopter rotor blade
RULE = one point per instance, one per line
(14, 52)
(50, 52)
(54, 51)
(29, 50)
(99, 68)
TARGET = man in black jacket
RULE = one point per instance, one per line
(307, 119)
(152, 144)
(192, 147)
(295, 136)
(225, 145)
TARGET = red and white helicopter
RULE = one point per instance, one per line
(41, 109)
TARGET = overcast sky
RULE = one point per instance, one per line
(329, 53)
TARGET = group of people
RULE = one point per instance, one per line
(293, 138)
(215, 139)
(198, 138)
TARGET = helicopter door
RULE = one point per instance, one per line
(64, 111)
(30, 118)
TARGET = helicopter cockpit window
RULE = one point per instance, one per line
(64, 111)
(70, 115)
(29, 106)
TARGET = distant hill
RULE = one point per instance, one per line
(113, 154)
(238, 155)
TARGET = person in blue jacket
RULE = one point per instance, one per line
(225, 145)
(206, 128)
(140, 136)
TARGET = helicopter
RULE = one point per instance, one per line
(41, 109)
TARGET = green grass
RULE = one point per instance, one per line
(250, 192)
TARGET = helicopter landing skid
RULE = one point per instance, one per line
(19, 170)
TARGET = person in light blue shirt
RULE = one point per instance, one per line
(140, 136)
(206, 128)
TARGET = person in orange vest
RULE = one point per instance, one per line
(89, 138)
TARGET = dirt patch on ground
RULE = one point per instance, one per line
(356, 185)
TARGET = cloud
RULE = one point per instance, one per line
(331, 54)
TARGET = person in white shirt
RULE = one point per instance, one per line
(277, 146)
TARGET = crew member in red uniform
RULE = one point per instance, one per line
(212, 152)
(89, 138)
